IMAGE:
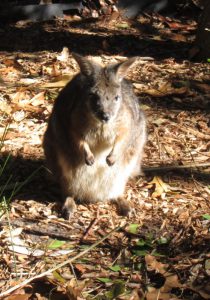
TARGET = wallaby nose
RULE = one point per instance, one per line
(105, 116)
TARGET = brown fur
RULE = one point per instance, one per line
(95, 135)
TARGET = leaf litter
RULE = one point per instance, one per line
(163, 250)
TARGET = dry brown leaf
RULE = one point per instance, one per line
(80, 268)
(57, 82)
(172, 281)
(74, 289)
(55, 70)
(136, 295)
(19, 115)
(64, 56)
(159, 121)
(155, 294)
(9, 62)
(165, 90)
(161, 188)
(5, 107)
(38, 99)
(18, 297)
(22, 94)
(153, 264)
(170, 150)
(178, 37)
(10, 71)
(184, 216)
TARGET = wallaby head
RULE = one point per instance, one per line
(103, 94)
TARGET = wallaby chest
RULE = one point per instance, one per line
(100, 137)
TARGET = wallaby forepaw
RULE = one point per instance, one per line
(69, 208)
(110, 160)
(89, 160)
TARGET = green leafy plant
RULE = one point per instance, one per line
(54, 244)
(148, 244)
(133, 228)
(115, 268)
(206, 217)
(104, 279)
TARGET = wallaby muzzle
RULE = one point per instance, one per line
(103, 116)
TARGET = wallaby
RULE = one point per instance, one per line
(95, 135)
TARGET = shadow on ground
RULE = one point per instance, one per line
(88, 39)
(31, 179)
(27, 179)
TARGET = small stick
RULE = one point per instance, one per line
(168, 168)
(90, 227)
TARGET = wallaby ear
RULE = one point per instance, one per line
(86, 66)
(122, 68)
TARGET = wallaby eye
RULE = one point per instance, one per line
(94, 101)
(117, 98)
(93, 97)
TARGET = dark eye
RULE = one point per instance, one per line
(117, 98)
(94, 101)
(94, 98)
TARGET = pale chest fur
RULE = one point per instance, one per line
(101, 138)
(98, 182)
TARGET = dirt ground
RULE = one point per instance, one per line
(160, 252)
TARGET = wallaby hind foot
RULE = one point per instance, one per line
(69, 208)
(123, 207)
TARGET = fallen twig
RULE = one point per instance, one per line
(174, 167)
(31, 227)
(90, 227)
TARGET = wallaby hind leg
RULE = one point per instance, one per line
(123, 206)
(69, 208)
